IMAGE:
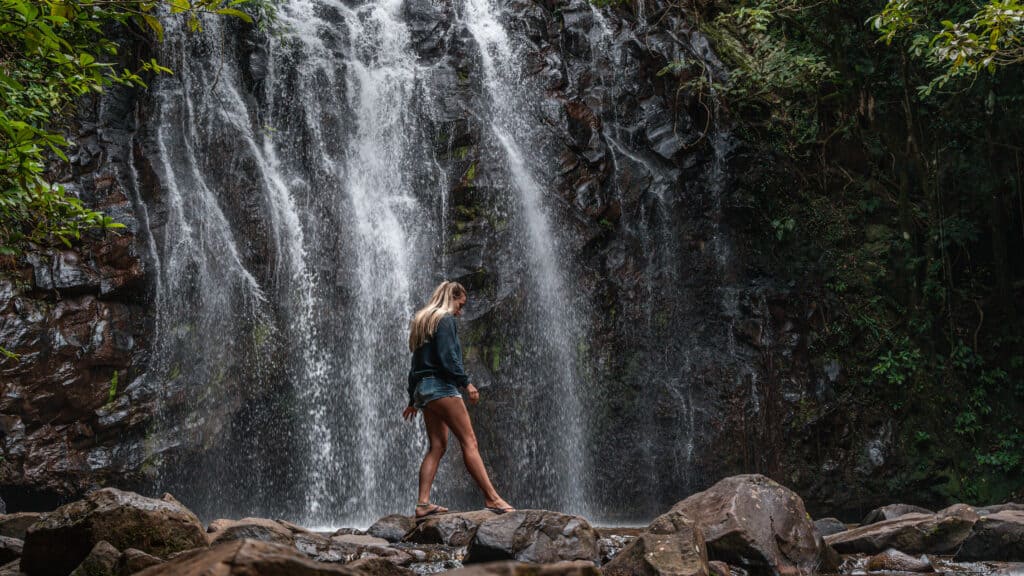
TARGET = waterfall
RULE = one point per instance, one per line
(305, 207)
(510, 124)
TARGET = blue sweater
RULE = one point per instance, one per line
(439, 356)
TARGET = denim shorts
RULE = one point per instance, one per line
(432, 388)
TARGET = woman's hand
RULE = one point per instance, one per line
(472, 393)
(409, 413)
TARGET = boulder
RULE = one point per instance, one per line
(61, 539)
(392, 528)
(896, 561)
(537, 536)
(252, 557)
(507, 568)
(249, 528)
(911, 533)
(101, 561)
(10, 549)
(673, 545)
(133, 560)
(452, 529)
(998, 536)
(11, 569)
(829, 526)
(15, 525)
(756, 523)
(892, 511)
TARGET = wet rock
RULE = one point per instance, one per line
(11, 569)
(829, 526)
(576, 568)
(392, 528)
(718, 568)
(133, 560)
(453, 529)
(912, 533)
(997, 536)
(10, 549)
(101, 561)
(755, 522)
(894, 560)
(15, 525)
(537, 536)
(251, 557)
(892, 511)
(673, 545)
(249, 528)
(61, 539)
(610, 544)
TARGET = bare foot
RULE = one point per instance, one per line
(498, 506)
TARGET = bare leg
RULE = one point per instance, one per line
(453, 412)
(437, 433)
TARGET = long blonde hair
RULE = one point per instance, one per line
(442, 301)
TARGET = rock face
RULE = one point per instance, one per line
(61, 539)
(892, 511)
(894, 560)
(911, 533)
(672, 545)
(536, 536)
(453, 529)
(996, 536)
(72, 404)
(251, 557)
(754, 522)
(392, 528)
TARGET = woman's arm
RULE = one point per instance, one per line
(450, 352)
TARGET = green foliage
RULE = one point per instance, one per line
(957, 39)
(896, 132)
(52, 53)
(112, 392)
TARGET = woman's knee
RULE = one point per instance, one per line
(438, 449)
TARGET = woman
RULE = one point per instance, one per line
(434, 379)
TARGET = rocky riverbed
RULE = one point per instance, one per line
(742, 526)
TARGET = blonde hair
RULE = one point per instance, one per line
(442, 301)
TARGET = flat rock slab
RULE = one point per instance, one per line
(223, 530)
(575, 568)
(537, 536)
(754, 522)
(998, 536)
(911, 533)
(451, 529)
(672, 546)
(891, 512)
(61, 539)
(252, 557)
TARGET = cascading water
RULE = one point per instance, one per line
(301, 232)
(509, 98)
